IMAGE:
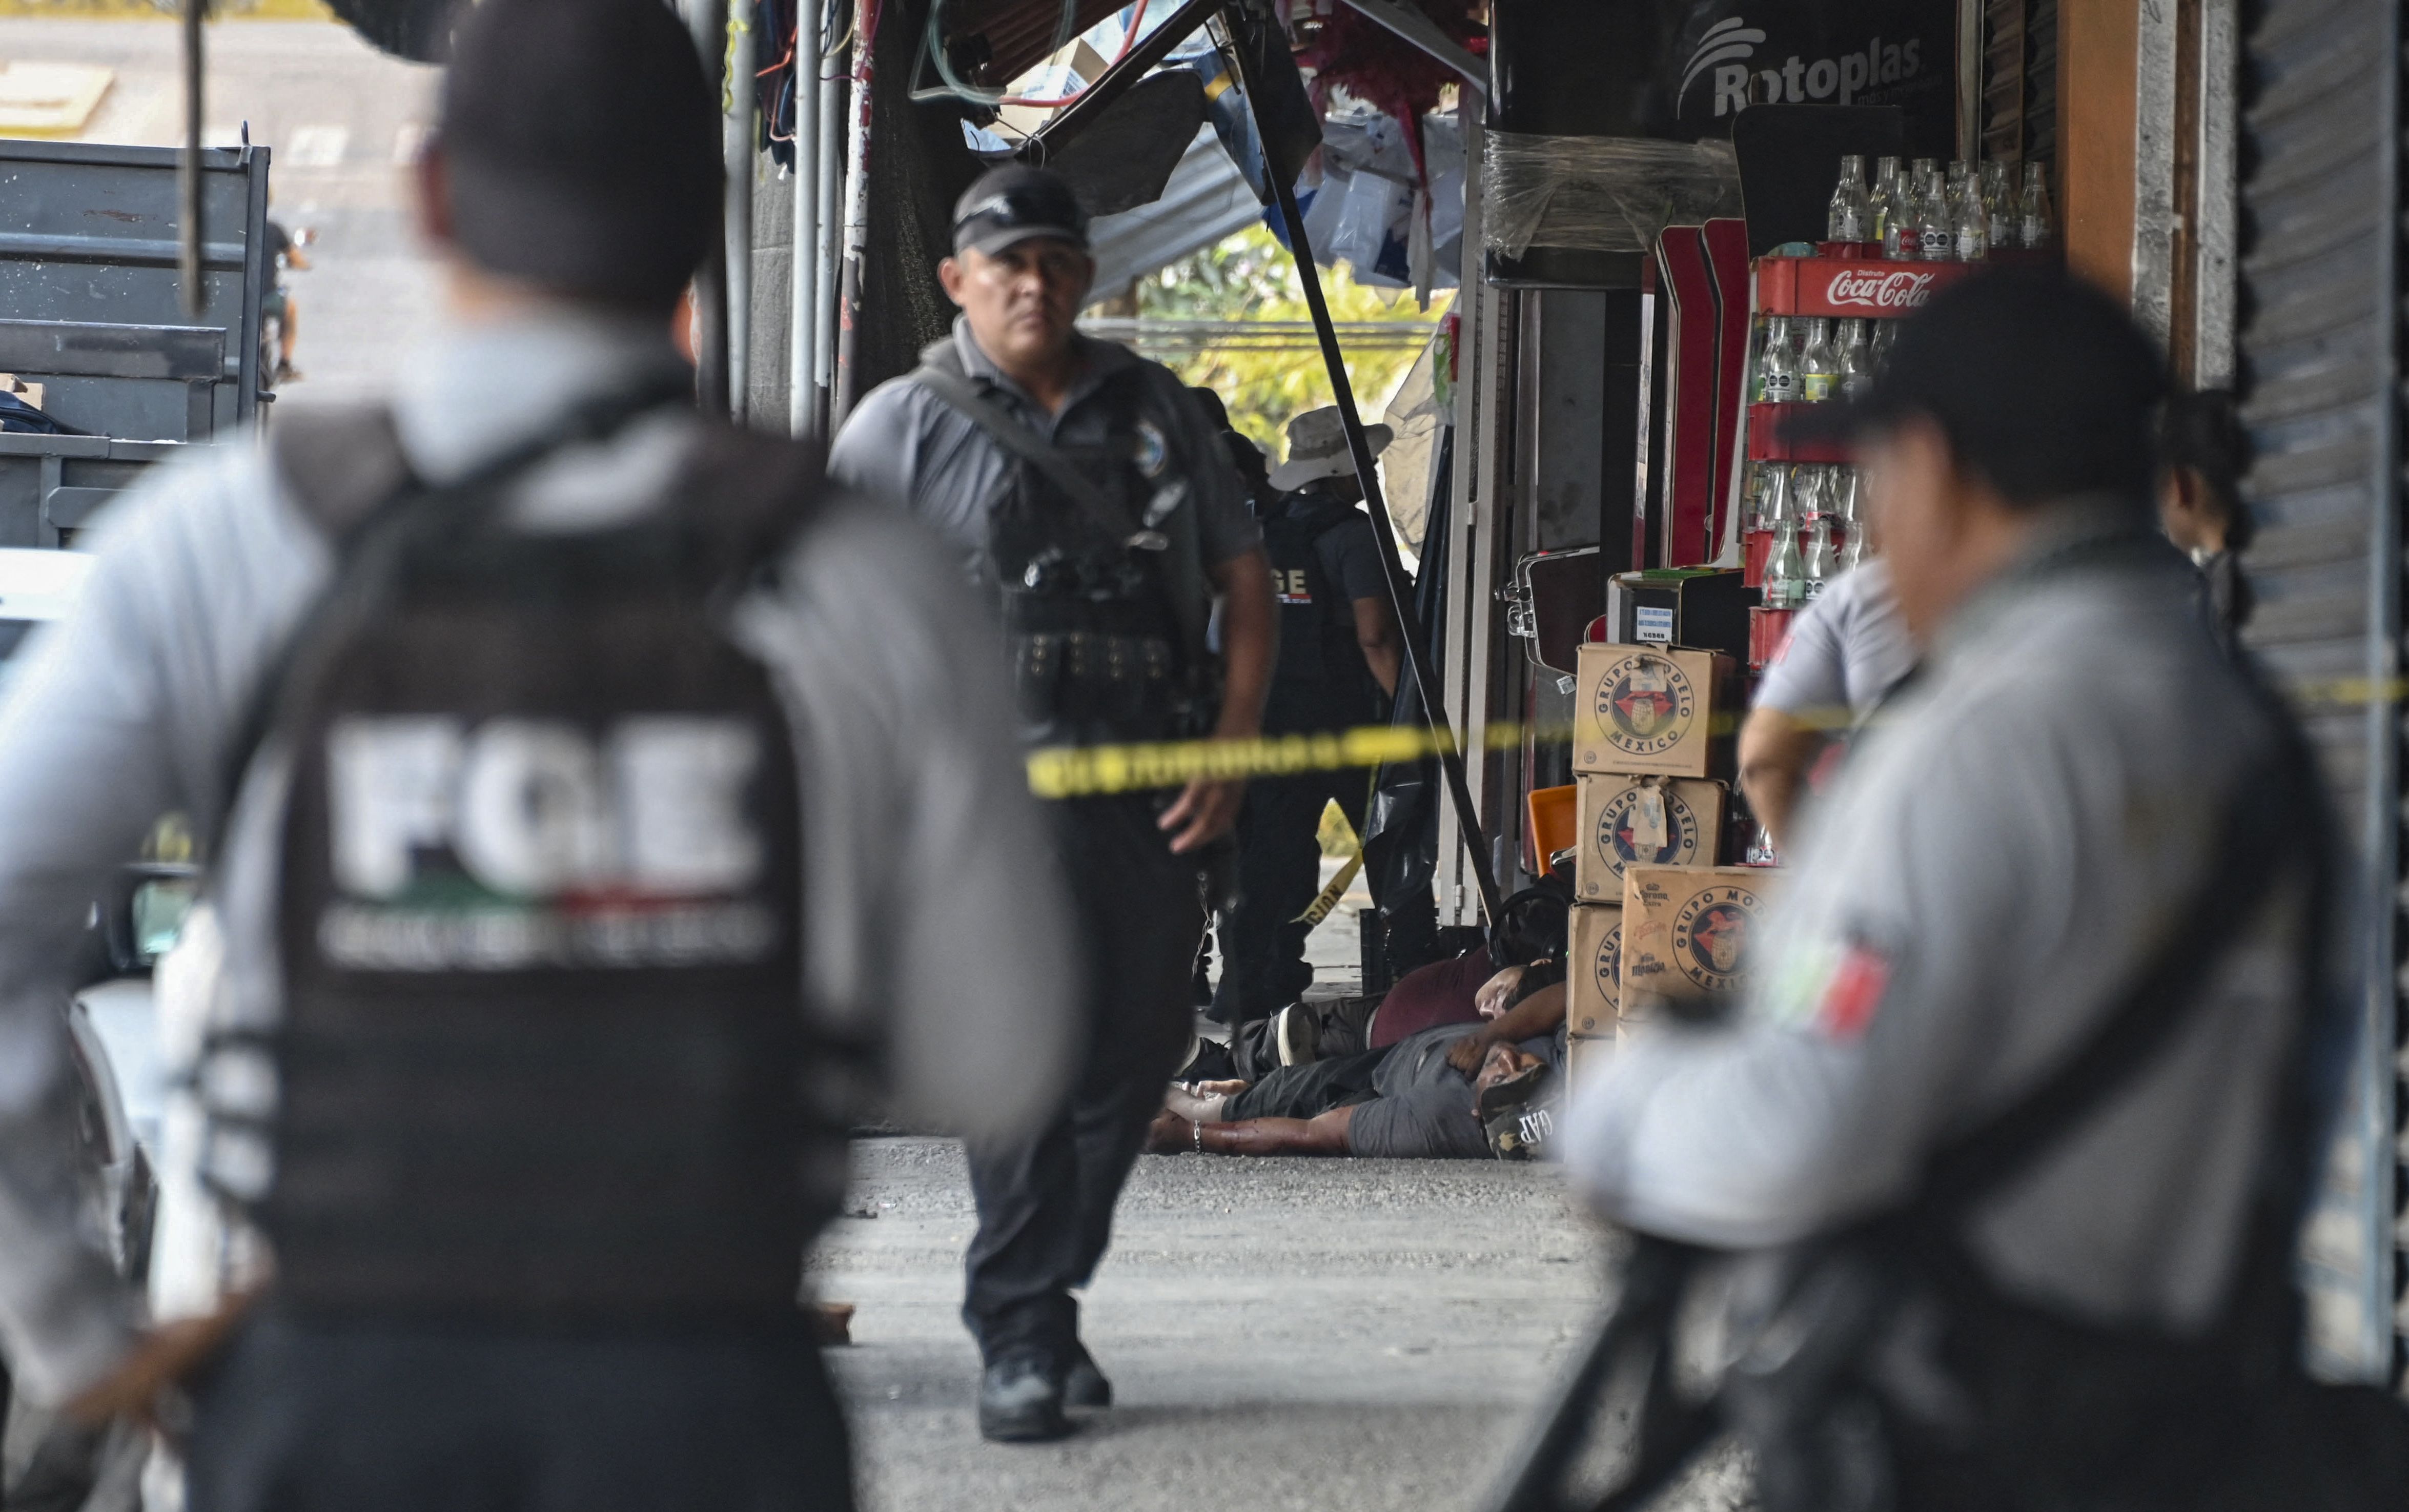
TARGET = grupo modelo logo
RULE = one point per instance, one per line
(1607, 966)
(1725, 57)
(1710, 937)
(1618, 842)
(1868, 289)
(1645, 705)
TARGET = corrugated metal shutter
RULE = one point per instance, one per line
(2319, 369)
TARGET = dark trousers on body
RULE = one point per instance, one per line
(1279, 871)
(1307, 1091)
(324, 1416)
(1045, 1202)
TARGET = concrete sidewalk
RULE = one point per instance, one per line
(1327, 1335)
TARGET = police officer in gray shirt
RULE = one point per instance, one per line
(1083, 489)
(2012, 844)
(565, 245)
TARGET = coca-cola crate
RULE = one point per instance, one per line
(1768, 631)
(1765, 442)
(1756, 545)
(1851, 286)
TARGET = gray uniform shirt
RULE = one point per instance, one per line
(1421, 1108)
(904, 733)
(903, 443)
(1846, 649)
(1996, 861)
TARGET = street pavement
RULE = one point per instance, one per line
(1320, 1336)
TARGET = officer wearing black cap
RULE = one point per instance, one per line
(1087, 492)
(558, 839)
(2028, 1019)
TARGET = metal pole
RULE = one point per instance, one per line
(857, 215)
(1401, 595)
(188, 167)
(803, 279)
(736, 150)
(835, 91)
(707, 21)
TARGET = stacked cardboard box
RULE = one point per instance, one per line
(1649, 747)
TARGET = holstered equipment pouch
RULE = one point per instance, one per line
(1097, 563)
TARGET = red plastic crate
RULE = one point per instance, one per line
(1768, 631)
(1765, 444)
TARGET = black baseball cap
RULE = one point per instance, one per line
(582, 147)
(1015, 204)
(2040, 382)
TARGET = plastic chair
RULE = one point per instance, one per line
(1556, 821)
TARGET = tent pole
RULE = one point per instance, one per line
(1401, 596)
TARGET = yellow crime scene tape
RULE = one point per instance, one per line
(1094, 770)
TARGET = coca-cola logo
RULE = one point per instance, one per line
(1879, 289)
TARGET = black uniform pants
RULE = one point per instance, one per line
(1046, 1201)
(1279, 871)
(324, 1416)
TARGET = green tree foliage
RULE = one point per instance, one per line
(1248, 276)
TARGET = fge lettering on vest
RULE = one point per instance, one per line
(526, 843)
(1293, 585)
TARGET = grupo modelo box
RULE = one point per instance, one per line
(1687, 932)
(1593, 971)
(1653, 820)
(1651, 710)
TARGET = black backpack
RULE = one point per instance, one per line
(543, 1043)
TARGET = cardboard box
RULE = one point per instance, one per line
(1686, 932)
(1593, 971)
(1651, 710)
(1585, 1058)
(1654, 821)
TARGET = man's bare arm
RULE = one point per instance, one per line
(1775, 754)
(1536, 1015)
(1323, 1135)
(1384, 649)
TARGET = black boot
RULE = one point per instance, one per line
(1020, 1401)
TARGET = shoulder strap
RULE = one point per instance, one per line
(339, 466)
(960, 394)
(346, 472)
(2271, 812)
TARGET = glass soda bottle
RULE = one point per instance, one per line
(1882, 204)
(1777, 370)
(1936, 233)
(1856, 360)
(1845, 221)
(1818, 566)
(1971, 237)
(1819, 367)
(1785, 570)
(1885, 337)
(2034, 223)
(1998, 205)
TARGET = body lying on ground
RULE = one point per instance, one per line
(1422, 1098)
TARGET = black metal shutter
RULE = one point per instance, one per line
(2319, 371)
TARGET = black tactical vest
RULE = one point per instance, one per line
(1103, 615)
(1320, 680)
(543, 1046)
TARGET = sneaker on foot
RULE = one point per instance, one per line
(1298, 1034)
(1021, 1401)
